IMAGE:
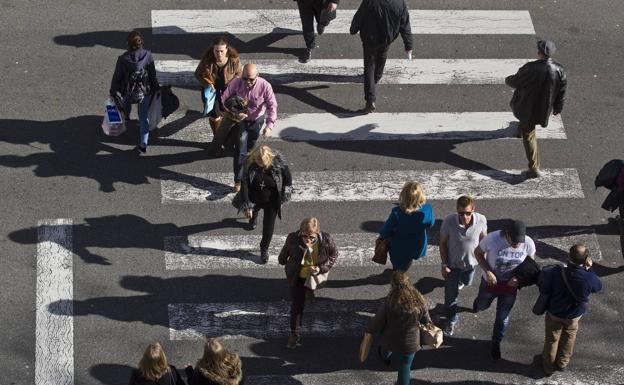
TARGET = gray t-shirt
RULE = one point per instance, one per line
(461, 241)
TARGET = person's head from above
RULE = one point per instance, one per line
(545, 49)
(412, 197)
(153, 364)
(250, 74)
(403, 295)
(515, 233)
(309, 230)
(262, 156)
(579, 255)
(220, 49)
(465, 209)
(135, 41)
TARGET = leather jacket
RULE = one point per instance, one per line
(294, 249)
(540, 88)
(207, 68)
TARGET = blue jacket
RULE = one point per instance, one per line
(561, 303)
(407, 234)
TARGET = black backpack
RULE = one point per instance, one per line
(137, 87)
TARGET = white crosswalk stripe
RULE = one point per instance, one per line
(397, 71)
(362, 186)
(385, 126)
(263, 21)
(222, 252)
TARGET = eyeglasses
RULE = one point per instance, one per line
(249, 80)
(309, 237)
(465, 213)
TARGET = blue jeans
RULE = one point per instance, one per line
(405, 366)
(503, 309)
(143, 122)
(451, 290)
(249, 132)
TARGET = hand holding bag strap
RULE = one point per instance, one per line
(567, 284)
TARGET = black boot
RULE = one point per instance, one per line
(264, 255)
(253, 221)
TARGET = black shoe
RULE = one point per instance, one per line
(253, 221)
(370, 107)
(264, 256)
(320, 28)
(495, 352)
(307, 56)
(386, 361)
(140, 149)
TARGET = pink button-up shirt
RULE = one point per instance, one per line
(260, 97)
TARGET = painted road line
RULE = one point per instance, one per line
(397, 71)
(54, 330)
(286, 21)
(190, 321)
(364, 186)
(229, 252)
(388, 126)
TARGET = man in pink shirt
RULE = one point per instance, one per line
(261, 108)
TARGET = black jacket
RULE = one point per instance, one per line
(379, 22)
(128, 63)
(293, 250)
(539, 91)
(608, 178)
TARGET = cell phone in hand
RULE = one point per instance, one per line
(113, 114)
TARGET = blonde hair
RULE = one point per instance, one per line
(263, 152)
(217, 361)
(154, 363)
(412, 197)
(403, 295)
(310, 225)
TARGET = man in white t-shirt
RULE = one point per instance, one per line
(498, 254)
(459, 236)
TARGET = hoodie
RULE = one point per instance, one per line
(128, 63)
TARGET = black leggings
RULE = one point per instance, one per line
(298, 294)
(268, 223)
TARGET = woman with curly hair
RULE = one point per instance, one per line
(218, 366)
(398, 322)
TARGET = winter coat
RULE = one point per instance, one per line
(399, 329)
(540, 88)
(130, 62)
(204, 73)
(281, 175)
(137, 379)
(294, 249)
(379, 23)
(201, 376)
(407, 234)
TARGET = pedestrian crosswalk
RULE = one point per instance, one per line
(329, 318)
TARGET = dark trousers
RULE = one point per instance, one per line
(268, 222)
(225, 137)
(248, 134)
(308, 12)
(374, 62)
(298, 294)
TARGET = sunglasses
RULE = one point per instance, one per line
(249, 80)
(465, 213)
(308, 236)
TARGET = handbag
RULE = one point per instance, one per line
(365, 346)
(154, 112)
(314, 281)
(430, 335)
(382, 246)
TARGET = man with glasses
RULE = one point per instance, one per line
(261, 105)
(498, 254)
(460, 234)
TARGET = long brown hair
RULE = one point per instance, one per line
(154, 363)
(220, 40)
(219, 362)
(403, 295)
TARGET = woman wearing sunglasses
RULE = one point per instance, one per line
(308, 251)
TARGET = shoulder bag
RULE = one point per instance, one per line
(382, 246)
(430, 335)
(313, 282)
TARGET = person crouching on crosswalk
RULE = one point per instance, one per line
(398, 322)
(217, 366)
(154, 369)
(259, 105)
(266, 185)
(306, 253)
(407, 226)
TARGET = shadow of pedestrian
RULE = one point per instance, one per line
(111, 374)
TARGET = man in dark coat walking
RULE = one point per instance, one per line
(539, 92)
(379, 23)
(309, 10)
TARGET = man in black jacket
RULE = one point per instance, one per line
(379, 23)
(309, 10)
(539, 92)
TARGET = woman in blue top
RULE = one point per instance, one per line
(407, 226)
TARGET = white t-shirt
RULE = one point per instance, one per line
(503, 258)
(461, 240)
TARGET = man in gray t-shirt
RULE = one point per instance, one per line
(459, 236)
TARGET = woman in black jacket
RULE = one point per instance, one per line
(154, 370)
(217, 366)
(266, 184)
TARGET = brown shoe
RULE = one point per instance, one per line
(293, 340)
(237, 187)
(532, 173)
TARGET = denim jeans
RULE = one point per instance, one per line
(451, 290)
(249, 131)
(503, 309)
(143, 121)
(405, 366)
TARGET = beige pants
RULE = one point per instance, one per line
(559, 342)
(529, 139)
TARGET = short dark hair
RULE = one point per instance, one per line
(135, 40)
(578, 254)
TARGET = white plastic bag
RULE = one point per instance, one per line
(154, 113)
(112, 129)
